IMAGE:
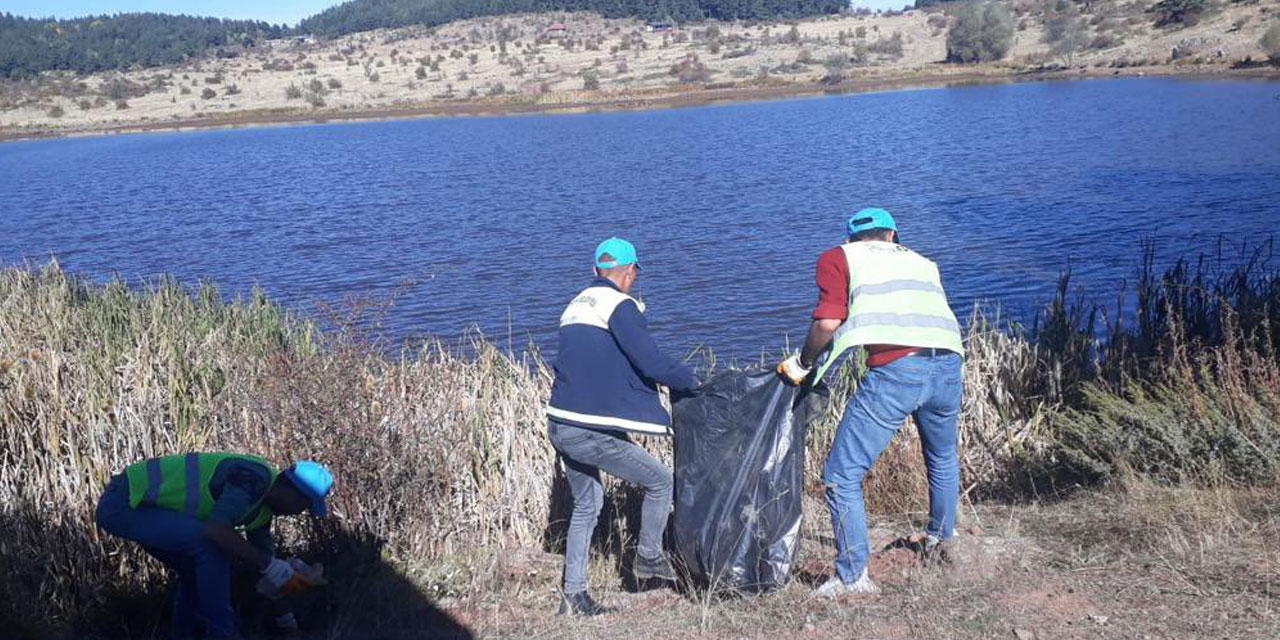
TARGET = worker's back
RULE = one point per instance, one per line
(608, 365)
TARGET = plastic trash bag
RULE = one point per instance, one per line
(739, 479)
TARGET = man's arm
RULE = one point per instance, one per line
(225, 537)
(832, 277)
(243, 489)
(631, 331)
(261, 540)
(820, 333)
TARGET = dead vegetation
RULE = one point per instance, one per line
(449, 499)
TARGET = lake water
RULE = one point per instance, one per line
(491, 222)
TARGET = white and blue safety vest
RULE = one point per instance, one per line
(608, 367)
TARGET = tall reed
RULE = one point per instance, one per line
(440, 454)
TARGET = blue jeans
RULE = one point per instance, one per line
(586, 452)
(177, 540)
(928, 388)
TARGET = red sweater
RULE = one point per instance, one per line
(833, 303)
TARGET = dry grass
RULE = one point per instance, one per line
(447, 488)
(436, 455)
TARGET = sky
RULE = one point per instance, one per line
(273, 11)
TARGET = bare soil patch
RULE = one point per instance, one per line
(1029, 571)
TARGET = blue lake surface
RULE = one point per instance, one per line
(491, 222)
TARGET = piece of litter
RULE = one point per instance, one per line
(1023, 634)
(1100, 619)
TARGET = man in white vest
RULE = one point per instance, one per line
(887, 299)
(607, 374)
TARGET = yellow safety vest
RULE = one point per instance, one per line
(181, 483)
(895, 297)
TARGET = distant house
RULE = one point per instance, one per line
(661, 27)
(557, 30)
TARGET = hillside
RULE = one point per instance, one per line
(103, 42)
(557, 61)
(364, 15)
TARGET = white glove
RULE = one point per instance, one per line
(277, 574)
(792, 371)
(287, 622)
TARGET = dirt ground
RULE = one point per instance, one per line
(517, 63)
(1138, 563)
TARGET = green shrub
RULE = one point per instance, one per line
(891, 46)
(835, 65)
(980, 33)
(1185, 13)
(208, 94)
(690, 70)
(56, 111)
(590, 81)
(335, 83)
(420, 73)
(1270, 43)
(1106, 41)
(292, 92)
(937, 22)
(1065, 31)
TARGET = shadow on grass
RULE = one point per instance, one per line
(366, 598)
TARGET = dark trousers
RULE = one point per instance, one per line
(177, 540)
(587, 452)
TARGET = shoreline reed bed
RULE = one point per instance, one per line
(441, 457)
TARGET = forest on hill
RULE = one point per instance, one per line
(100, 43)
(363, 15)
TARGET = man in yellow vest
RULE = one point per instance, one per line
(879, 295)
(184, 510)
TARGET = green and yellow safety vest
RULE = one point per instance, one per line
(895, 297)
(181, 483)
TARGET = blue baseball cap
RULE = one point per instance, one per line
(622, 252)
(872, 218)
(313, 480)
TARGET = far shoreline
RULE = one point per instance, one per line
(674, 98)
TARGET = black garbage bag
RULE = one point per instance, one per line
(739, 479)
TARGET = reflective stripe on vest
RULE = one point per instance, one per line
(895, 297)
(181, 483)
(594, 306)
(608, 421)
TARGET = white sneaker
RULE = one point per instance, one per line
(835, 587)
